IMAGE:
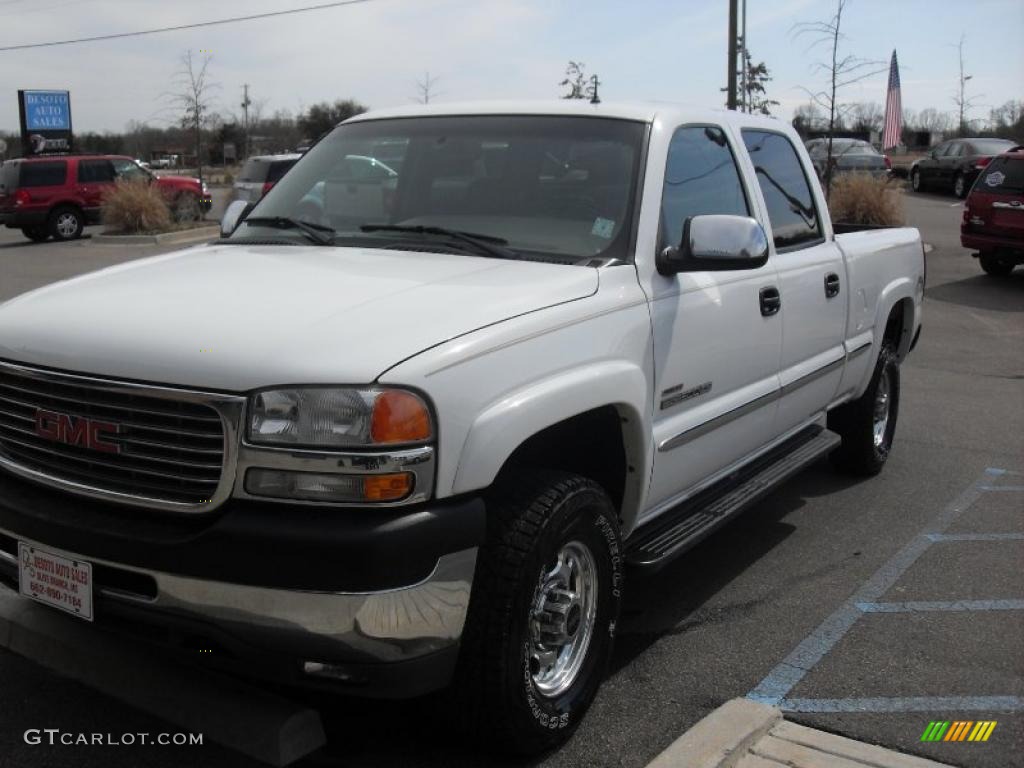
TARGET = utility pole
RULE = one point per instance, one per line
(744, 106)
(245, 110)
(731, 101)
(962, 103)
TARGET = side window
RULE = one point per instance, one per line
(787, 192)
(95, 171)
(955, 149)
(126, 169)
(44, 174)
(943, 149)
(700, 177)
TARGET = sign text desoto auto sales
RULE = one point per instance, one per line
(45, 121)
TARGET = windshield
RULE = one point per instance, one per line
(550, 187)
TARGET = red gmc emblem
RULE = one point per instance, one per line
(76, 430)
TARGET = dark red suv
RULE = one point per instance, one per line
(57, 196)
(993, 222)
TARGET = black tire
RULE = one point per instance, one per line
(960, 188)
(37, 234)
(915, 180)
(66, 223)
(861, 453)
(532, 516)
(186, 208)
(993, 264)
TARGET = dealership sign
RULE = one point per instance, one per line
(45, 121)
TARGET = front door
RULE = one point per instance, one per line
(812, 281)
(716, 355)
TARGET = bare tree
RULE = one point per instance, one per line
(963, 102)
(192, 99)
(866, 116)
(841, 71)
(580, 86)
(425, 89)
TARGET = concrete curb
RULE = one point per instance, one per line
(722, 738)
(187, 236)
(254, 722)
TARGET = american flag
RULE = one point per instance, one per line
(893, 108)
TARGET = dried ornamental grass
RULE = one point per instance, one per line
(864, 200)
(135, 207)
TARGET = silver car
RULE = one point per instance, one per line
(848, 155)
(259, 174)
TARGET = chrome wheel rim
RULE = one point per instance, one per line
(562, 619)
(67, 224)
(958, 186)
(187, 209)
(915, 180)
(883, 399)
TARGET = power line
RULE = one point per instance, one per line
(183, 26)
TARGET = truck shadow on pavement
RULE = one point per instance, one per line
(1000, 294)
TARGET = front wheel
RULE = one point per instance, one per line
(995, 265)
(868, 424)
(545, 600)
(186, 208)
(960, 186)
(915, 180)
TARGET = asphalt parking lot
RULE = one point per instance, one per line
(863, 607)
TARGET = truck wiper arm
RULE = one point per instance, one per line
(488, 245)
(318, 233)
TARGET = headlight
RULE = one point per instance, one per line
(333, 418)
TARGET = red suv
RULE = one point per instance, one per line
(58, 195)
(993, 222)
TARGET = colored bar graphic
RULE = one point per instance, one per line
(958, 730)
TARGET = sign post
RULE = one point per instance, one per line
(45, 122)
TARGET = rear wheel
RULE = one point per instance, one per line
(38, 233)
(66, 223)
(545, 600)
(995, 265)
(960, 186)
(868, 424)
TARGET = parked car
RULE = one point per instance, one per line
(954, 165)
(260, 174)
(57, 196)
(848, 155)
(993, 222)
(422, 442)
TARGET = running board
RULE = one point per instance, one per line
(657, 543)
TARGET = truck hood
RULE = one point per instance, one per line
(235, 317)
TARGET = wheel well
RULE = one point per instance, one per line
(590, 444)
(898, 326)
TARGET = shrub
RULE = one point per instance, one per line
(229, 178)
(858, 198)
(134, 207)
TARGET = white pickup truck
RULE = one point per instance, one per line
(412, 421)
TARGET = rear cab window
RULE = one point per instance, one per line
(254, 171)
(277, 169)
(792, 212)
(51, 173)
(1004, 175)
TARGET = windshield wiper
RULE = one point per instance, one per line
(318, 233)
(488, 245)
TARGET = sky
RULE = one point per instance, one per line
(660, 50)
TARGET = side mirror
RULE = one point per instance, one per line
(233, 216)
(714, 243)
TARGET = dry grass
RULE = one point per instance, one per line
(135, 207)
(858, 198)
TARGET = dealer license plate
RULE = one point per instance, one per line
(55, 580)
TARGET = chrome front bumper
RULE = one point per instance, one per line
(368, 627)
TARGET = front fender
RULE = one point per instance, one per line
(507, 423)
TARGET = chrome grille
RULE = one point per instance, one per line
(173, 443)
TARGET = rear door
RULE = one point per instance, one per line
(812, 279)
(1001, 186)
(94, 179)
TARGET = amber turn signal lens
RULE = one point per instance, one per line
(399, 417)
(387, 487)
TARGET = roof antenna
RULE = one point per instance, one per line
(594, 82)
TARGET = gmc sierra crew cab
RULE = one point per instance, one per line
(405, 431)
